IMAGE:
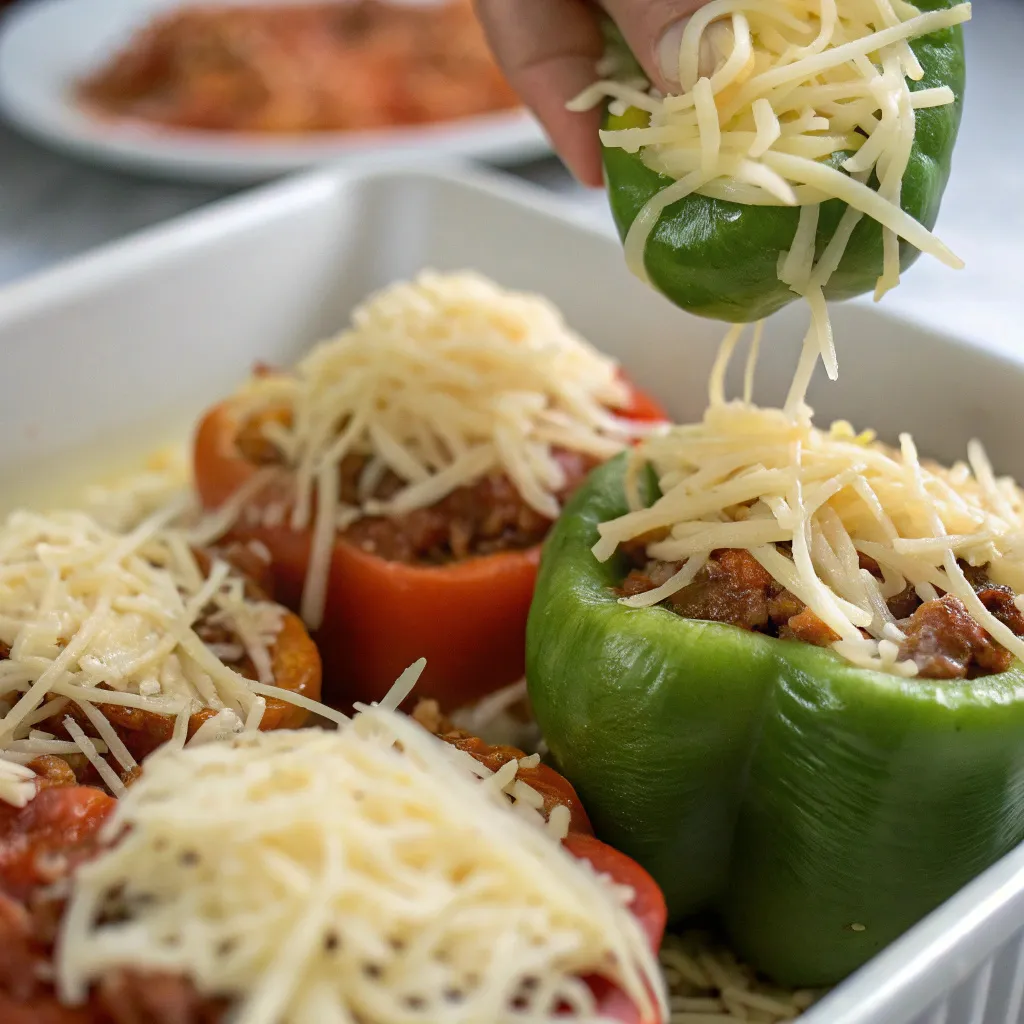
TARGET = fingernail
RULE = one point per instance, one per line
(668, 51)
(716, 43)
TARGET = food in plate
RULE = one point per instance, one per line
(113, 643)
(806, 154)
(802, 700)
(278, 69)
(373, 872)
(403, 476)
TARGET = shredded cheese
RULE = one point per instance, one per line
(770, 92)
(754, 478)
(109, 735)
(99, 616)
(364, 873)
(110, 778)
(17, 783)
(440, 382)
(708, 985)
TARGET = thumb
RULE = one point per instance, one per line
(653, 29)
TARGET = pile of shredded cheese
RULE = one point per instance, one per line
(708, 985)
(769, 92)
(360, 874)
(753, 478)
(440, 381)
(82, 606)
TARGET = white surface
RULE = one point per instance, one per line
(103, 355)
(45, 47)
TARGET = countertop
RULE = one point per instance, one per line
(52, 207)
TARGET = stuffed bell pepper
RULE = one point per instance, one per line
(371, 873)
(403, 476)
(114, 643)
(806, 153)
(782, 667)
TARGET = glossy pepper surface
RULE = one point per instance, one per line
(822, 809)
(720, 260)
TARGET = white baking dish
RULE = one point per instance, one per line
(116, 352)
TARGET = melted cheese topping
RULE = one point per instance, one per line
(83, 607)
(769, 92)
(753, 478)
(362, 874)
(441, 382)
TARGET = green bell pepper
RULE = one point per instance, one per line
(821, 809)
(720, 259)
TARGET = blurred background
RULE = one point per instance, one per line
(119, 114)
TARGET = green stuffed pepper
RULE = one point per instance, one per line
(820, 808)
(720, 259)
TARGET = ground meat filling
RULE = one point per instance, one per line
(483, 518)
(942, 638)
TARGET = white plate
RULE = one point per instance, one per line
(46, 46)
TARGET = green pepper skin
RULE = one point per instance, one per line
(720, 260)
(820, 808)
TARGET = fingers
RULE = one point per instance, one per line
(654, 29)
(548, 50)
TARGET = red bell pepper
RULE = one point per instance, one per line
(467, 618)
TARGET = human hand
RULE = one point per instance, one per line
(548, 50)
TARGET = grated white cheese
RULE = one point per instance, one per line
(110, 737)
(771, 91)
(219, 727)
(17, 783)
(439, 381)
(110, 778)
(708, 985)
(752, 478)
(105, 617)
(363, 873)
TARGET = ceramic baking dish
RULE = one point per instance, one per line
(116, 352)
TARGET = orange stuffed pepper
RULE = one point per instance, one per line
(405, 475)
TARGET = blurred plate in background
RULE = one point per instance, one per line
(47, 46)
